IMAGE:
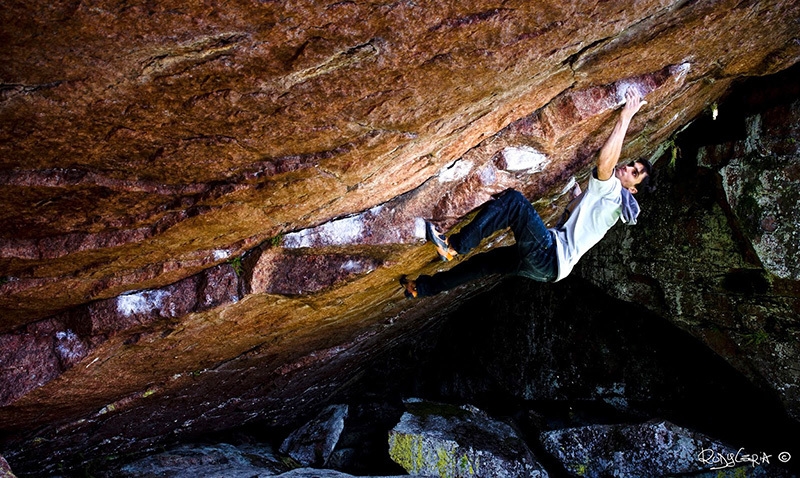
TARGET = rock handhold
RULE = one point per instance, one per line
(449, 441)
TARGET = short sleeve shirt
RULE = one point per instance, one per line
(599, 208)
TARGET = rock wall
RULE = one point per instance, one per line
(134, 156)
(205, 208)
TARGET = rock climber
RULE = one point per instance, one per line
(542, 254)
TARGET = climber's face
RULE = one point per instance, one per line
(631, 175)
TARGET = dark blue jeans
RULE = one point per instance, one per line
(533, 255)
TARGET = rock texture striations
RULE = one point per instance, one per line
(205, 207)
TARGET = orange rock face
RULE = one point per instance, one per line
(200, 197)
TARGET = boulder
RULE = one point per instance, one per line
(449, 441)
(324, 473)
(220, 460)
(5, 470)
(651, 449)
(313, 443)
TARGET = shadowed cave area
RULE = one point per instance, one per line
(552, 356)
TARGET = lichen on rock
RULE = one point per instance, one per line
(450, 442)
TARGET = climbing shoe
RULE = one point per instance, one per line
(409, 287)
(438, 240)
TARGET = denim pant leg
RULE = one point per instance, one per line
(533, 255)
(509, 209)
(502, 260)
(535, 243)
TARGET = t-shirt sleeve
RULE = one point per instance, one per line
(611, 187)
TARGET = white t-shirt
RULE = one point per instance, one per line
(599, 208)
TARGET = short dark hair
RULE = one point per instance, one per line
(648, 184)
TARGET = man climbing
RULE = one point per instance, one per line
(543, 254)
